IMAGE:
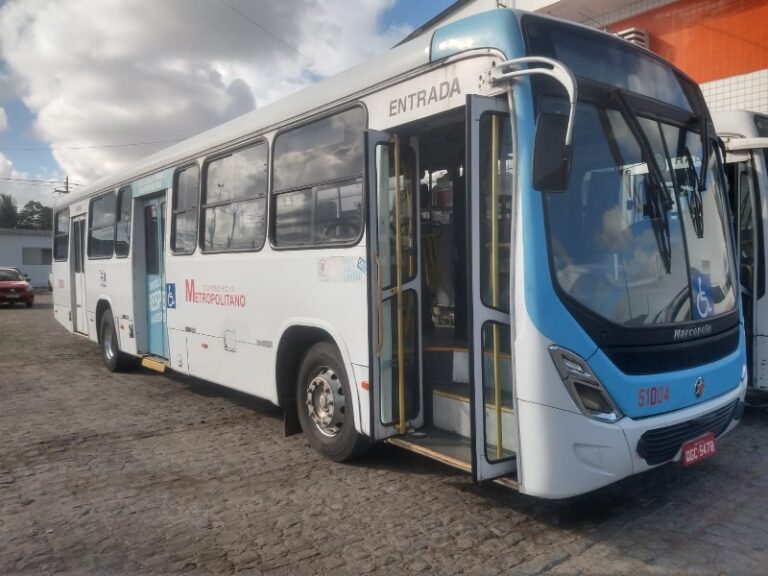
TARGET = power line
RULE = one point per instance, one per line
(37, 181)
(260, 27)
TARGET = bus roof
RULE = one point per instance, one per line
(737, 123)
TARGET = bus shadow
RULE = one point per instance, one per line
(211, 390)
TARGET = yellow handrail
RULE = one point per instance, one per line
(495, 277)
(379, 308)
(399, 292)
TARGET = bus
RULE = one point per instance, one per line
(503, 244)
(745, 136)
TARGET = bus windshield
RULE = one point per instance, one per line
(637, 237)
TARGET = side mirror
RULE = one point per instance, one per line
(26, 277)
(551, 154)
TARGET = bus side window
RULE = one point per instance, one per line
(184, 211)
(61, 236)
(234, 201)
(123, 223)
(317, 182)
(101, 227)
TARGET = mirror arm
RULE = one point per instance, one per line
(511, 70)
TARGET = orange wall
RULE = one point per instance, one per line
(708, 39)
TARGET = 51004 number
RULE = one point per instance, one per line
(652, 396)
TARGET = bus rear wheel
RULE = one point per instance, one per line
(114, 360)
(325, 405)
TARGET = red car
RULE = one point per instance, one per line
(14, 288)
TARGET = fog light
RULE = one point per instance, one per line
(584, 387)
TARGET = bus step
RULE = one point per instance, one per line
(440, 445)
(451, 412)
(446, 364)
(152, 363)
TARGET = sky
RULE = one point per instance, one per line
(89, 86)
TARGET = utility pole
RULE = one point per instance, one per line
(66, 187)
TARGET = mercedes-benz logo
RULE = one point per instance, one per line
(698, 388)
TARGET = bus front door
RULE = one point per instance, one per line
(78, 272)
(154, 242)
(395, 286)
(490, 163)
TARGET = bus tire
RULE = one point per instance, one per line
(325, 405)
(114, 360)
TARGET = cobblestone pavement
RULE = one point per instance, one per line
(142, 473)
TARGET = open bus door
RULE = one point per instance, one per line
(491, 223)
(395, 286)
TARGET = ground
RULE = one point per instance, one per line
(139, 472)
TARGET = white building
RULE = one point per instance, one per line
(29, 251)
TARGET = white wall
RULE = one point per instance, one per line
(744, 92)
(12, 243)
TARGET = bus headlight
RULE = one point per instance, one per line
(584, 387)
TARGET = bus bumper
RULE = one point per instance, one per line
(566, 454)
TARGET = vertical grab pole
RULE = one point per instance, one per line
(495, 276)
(399, 293)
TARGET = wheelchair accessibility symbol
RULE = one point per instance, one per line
(702, 292)
(170, 295)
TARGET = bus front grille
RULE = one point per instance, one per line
(661, 444)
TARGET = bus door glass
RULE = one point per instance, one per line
(78, 271)
(742, 200)
(396, 386)
(154, 241)
(492, 215)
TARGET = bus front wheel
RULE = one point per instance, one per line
(110, 348)
(325, 405)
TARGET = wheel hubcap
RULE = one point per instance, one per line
(325, 402)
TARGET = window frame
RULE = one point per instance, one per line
(90, 227)
(57, 234)
(198, 208)
(362, 175)
(118, 196)
(261, 140)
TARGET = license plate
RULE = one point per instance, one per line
(699, 449)
(11, 295)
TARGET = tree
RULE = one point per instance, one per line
(35, 216)
(8, 213)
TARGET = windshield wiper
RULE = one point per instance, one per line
(695, 206)
(704, 134)
(660, 201)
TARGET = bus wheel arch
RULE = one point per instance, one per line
(326, 406)
(102, 307)
(108, 339)
(293, 345)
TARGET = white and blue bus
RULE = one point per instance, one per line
(745, 135)
(503, 244)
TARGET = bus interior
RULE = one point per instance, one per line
(443, 244)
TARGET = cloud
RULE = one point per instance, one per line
(128, 71)
(19, 186)
(3, 120)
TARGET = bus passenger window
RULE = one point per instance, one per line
(234, 201)
(61, 236)
(101, 227)
(123, 223)
(184, 215)
(318, 186)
